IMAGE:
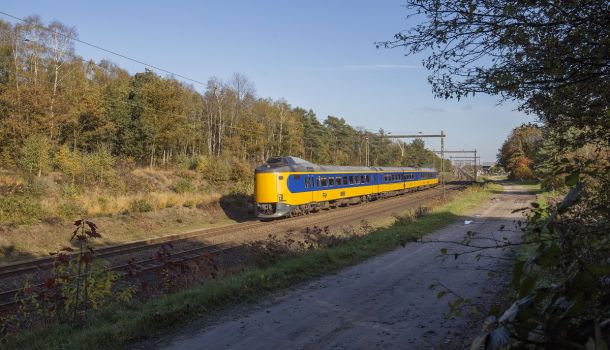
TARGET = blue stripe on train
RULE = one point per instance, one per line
(297, 183)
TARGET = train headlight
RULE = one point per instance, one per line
(280, 197)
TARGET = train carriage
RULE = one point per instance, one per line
(290, 186)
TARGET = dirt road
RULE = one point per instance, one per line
(384, 302)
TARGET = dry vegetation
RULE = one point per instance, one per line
(135, 204)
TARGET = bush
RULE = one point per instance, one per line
(20, 210)
(240, 171)
(523, 173)
(184, 186)
(35, 155)
(69, 162)
(70, 210)
(36, 187)
(201, 164)
(100, 165)
(217, 170)
(185, 162)
(70, 190)
(189, 204)
(141, 206)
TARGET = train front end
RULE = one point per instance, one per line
(271, 202)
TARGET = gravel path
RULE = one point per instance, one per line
(384, 302)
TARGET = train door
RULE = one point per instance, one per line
(311, 188)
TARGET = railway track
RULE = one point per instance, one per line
(253, 229)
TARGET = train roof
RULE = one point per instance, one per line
(290, 164)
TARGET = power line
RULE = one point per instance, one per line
(109, 51)
(131, 103)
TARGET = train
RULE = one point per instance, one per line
(289, 186)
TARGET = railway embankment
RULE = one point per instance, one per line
(138, 320)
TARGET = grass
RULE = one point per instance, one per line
(134, 322)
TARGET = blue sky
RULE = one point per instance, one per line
(315, 54)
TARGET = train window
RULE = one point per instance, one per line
(368, 179)
(323, 180)
(317, 182)
(331, 181)
(338, 181)
(351, 179)
(306, 183)
(345, 182)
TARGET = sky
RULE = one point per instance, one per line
(317, 55)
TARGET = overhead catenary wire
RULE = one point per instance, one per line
(108, 51)
(154, 67)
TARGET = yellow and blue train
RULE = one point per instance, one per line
(290, 186)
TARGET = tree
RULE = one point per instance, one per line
(35, 155)
(551, 56)
(519, 152)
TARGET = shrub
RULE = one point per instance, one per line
(69, 162)
(240, 171)
(36, 187)
(70, 190)
(523, 172)
(20, 210)
(100, 165)
(185, 162)
(218, 170)
(201, 164)
(70, 210)
(141, 206)
(188, 204)
(35, 155)
(184, 186)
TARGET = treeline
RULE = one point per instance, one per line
(55, 105)
(519, 153)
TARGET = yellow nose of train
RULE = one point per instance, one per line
(266, 187)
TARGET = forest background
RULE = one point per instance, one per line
(79, 137)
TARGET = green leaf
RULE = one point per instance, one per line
(444, 250)
(517, 273)
(599, 270)
(550, 257)
(441, 294)
(571, 179)
(527, 285)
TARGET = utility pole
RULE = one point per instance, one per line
(475, 165)
(367, 151)
(443, 162)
